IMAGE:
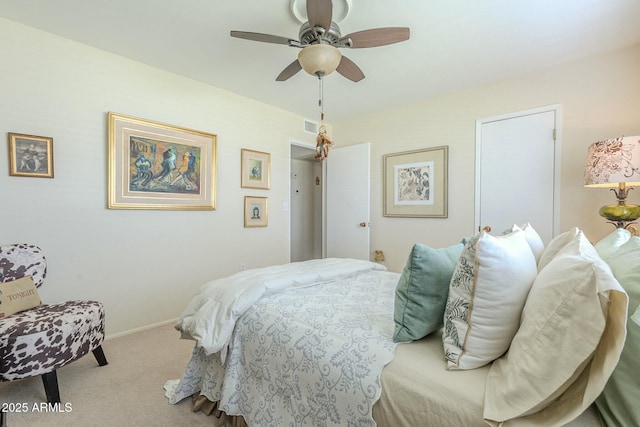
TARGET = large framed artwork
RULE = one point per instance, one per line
(256, 169)
(415, 183)
(30, 155)
(255, 212)
(159, 166)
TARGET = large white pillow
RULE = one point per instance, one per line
(488, 289)
(556, 245)
(532, 236)
(612, 242)
(570, 339)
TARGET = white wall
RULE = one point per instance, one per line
(599, 101)
(143, 265)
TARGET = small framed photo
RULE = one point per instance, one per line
(30, 155)
(256, 169)
(255, 212)
(415, 183)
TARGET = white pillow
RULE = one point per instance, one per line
(532, 236)
(570, 339)
(488, 289)
(555, 245)
(612, 242)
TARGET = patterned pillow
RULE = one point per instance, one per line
(488, 290)
(18, 295)
(421, 293)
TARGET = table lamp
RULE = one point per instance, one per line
(615, 164)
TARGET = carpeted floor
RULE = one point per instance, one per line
(126, 392)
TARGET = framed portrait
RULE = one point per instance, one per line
(415, 183)
(255, 212)
(30, 155)
(159, 166)
(256, 169)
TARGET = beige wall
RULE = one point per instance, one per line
(146, 265)
(599, 100)
(143, 265)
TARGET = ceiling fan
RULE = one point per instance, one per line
(319, 40)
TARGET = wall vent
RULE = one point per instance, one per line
(310, 127)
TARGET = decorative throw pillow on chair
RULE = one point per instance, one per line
(18, 295)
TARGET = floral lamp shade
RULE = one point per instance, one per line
(615, 164)
(612, 162)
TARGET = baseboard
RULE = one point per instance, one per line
(140, 329)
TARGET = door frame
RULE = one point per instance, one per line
(557, 110)
(323, 219)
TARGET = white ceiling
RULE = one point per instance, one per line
(454, 44)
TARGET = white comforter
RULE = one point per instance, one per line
(211, 315)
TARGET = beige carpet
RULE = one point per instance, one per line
(126, 392)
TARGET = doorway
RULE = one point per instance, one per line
(306, 205)
(517, 170)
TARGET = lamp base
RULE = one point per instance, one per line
(620, 215)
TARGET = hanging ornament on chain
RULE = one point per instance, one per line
(323, 143)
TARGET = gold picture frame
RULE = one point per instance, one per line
(256, 213)
(154, 165)
(415, 183)
(30, 155)
(256, 169)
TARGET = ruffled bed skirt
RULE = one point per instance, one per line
(201, 403)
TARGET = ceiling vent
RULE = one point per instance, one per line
(310, 127)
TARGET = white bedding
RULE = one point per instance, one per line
(310, 355)
(211, 315)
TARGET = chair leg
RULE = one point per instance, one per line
(50, 382)
(99, 355)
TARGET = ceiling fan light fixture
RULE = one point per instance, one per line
(319, 59)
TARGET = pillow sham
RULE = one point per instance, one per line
(612, 242)
(618, 403)
(421, 293)
(532, 236)
(488, 289)
(18, 295)
(572, 333)
(555, 245)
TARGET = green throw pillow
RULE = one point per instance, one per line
(422, 290)
(618, 403)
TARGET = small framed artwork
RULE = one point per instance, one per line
(255, 212)
(415, 183)
(30, 155)
(255, 169)
(159, 166)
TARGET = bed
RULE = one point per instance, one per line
(313, 343)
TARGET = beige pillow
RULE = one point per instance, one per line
(569, 341)
(18, 295)
(488, 289)
(555, 245)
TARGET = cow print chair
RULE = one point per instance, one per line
(37, 341)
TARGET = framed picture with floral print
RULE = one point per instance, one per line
(415, 183)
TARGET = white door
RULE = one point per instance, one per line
(516, 171)
(347, 202)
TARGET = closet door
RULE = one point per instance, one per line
(516, 171)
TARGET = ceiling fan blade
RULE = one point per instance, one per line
(259, 37)
(377, 37)
(350, 70)
(288, 72)
(319, 13)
